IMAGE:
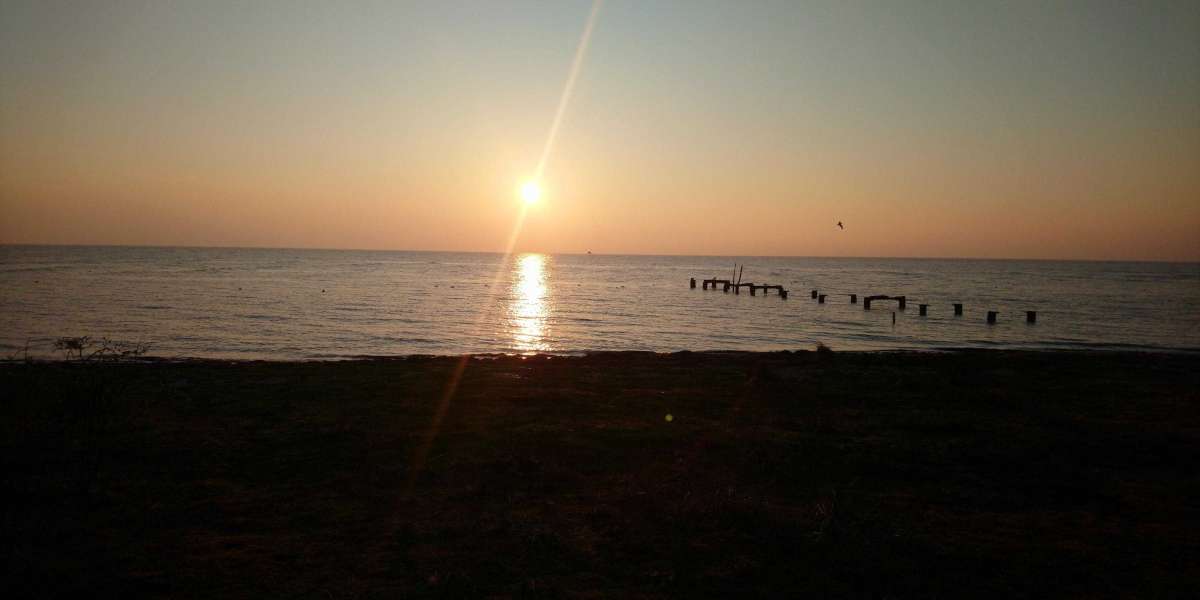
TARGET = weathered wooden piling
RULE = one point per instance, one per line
(814, 293)
(867, 301)
(991, 317)
(1031, 316)
(783, 294)
(767, 288)
(923, 308)
(901, 300)
(820, 298)
(726, 290)
(958, 310)
(853, 298)
(693, 283)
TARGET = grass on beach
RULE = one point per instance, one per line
(831, 474)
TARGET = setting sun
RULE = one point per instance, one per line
(530, 192)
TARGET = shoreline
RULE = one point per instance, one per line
(1117, 350)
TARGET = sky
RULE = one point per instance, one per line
(936, 128)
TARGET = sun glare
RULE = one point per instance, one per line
(530, 192)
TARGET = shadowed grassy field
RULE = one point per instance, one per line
(627, 474)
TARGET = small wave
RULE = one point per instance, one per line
(33, 269)
(271, 318)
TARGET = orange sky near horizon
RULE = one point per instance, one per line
(693, 129)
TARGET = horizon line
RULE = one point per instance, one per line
(589, 253)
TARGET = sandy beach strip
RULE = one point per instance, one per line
(981, 473)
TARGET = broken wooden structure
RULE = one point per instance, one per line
(737, 286)
(765, 288)
(900, 300)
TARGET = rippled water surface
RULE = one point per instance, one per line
(251, 303)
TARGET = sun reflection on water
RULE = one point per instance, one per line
(529, 303)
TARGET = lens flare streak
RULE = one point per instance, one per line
(565, 98)
(530, 313)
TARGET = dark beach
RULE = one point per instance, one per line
(905, 475)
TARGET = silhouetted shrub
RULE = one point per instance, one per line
(78, 418)
(85, 348)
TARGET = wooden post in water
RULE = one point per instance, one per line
(869, 299)
(814, 293)
(1031, 316)
(991, 318)
(923, 308)
(901, 299)
(693, 283)
(783, 294)
(853, 298)
(958, 310)
(752, 290)
(726, 290)
(820, 298)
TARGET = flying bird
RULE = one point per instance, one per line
(840, 226)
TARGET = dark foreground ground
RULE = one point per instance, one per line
(838, 475)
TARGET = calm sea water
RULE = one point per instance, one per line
(277, 304)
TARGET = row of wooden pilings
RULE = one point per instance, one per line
(901, 301)
(727, 285)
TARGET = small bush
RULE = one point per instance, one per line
(86, 349)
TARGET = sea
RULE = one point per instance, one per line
(279, 304)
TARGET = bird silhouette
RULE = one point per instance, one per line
(840, 226)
